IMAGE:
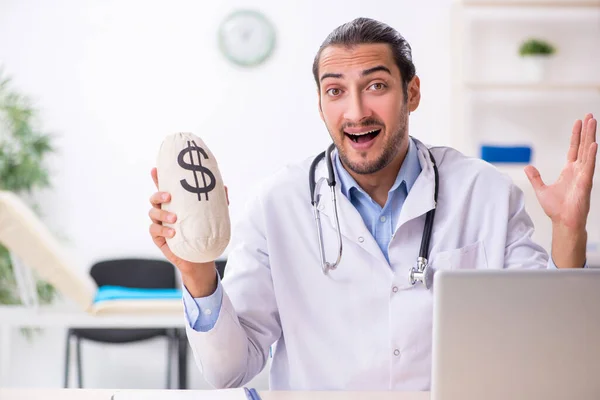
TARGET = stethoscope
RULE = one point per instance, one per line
(419, 273)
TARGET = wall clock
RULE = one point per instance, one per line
(246, 37)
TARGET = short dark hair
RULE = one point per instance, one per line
(369, 31)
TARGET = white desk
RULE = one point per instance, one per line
(104, 394)
(12, 317)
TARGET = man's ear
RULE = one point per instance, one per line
(414, 93)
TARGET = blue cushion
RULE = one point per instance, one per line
(125, 293)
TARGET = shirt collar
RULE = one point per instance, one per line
(408, 174)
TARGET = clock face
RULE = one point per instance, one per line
(246, 38)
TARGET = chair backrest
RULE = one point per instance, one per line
(221, 267)
(30, 240)
(135, 273)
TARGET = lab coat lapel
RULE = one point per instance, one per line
(351, 223)
(420, 199)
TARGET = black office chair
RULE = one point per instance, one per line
(135, 273)
(221, 267)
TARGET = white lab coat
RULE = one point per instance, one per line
(362, 327)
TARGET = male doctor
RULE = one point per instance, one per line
(363, 326)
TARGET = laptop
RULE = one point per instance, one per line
(516, 334)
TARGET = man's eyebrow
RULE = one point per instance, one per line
(364, 73)
(376, 69)
(331, 75)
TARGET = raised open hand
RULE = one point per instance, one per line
(567, 201)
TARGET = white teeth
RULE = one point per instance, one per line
(363, 133)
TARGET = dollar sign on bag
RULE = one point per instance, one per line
(204, 172)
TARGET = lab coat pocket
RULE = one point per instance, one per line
(471, 256)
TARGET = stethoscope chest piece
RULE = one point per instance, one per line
(422, 273)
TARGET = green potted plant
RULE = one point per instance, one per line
(536, 54)
(23, 150)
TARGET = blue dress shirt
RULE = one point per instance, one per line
(381, 221)
(202, 313)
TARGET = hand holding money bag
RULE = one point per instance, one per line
(188, 170)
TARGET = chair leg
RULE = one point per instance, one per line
(67, 359)
(170, 340)
(182, 345)
(79, 369)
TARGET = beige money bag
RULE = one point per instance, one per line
(188, 170)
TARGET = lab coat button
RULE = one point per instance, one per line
(395, 289)
(361, 239)
(396, 352)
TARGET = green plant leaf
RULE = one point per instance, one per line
(23, 149)
(536, 46)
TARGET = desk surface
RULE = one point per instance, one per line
(105, 394)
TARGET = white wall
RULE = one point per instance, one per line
(112, 78)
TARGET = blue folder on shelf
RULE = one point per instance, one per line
(506, 154)
(126, 293)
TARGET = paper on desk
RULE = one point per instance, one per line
(222, 394)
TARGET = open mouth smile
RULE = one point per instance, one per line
(363, 137)
(363, 140)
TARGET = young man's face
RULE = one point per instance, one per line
(362, 103)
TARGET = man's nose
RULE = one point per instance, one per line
(356, 110)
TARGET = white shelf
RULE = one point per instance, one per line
(550, 86)
(523, 18)
(541, 4)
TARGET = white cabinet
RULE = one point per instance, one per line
(495, 102)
